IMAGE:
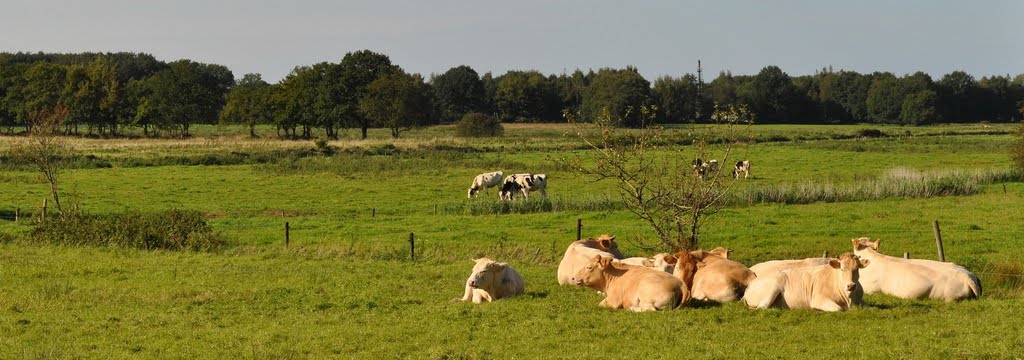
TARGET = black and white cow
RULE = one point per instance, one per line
(741, 167)
(523, 183)
(484, 181)
(704, 168)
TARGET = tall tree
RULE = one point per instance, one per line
(885, 99)
(958, 94)
(676, 98)
(248, 103)
(622, 92)
(850, 90)
(186, 93)
(397, 101)
(458, 91)
(772, 94)
(919, 108)
(526, 96)
(358, 70)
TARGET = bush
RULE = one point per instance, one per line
(478, 125)
(1017, 151)
(168, 230)
(870, 133)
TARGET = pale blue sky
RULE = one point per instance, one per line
(659, 37)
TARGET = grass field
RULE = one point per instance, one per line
(345, 287)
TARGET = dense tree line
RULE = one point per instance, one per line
(106, 92)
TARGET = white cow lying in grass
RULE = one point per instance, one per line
(914, 278)
(524, 183)
(484, 181)
(657, 262)
(490, 281)
(831, 287)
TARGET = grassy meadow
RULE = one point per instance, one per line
(346, 288)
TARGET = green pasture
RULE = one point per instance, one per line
(345, 287)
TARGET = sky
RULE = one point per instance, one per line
(658, 37)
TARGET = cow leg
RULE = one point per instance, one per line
(603, 303)
(466, 296)
(827, 305)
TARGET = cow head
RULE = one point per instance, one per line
(607, 243)
(720, 252)
(485, 273)
(508, 188)
(660, 262)
(686, 266)
(864, 243)
(847, 266)
(472, 191)
(593, 272)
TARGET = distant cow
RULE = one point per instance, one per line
(741, 167)
(491, 281)
(523, 183)
(484, 181)
(630, 287)
(704, 168)
(769, 267)
(831, 287)
(581, 251)
(914, 278)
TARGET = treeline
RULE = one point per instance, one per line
(106, 92)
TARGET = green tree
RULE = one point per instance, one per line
(358, 70)
(397, 101)
(772, 94)
(458, 91)
(885, 99)
(185, 93)
(248, 103)
(958, 94)
(850, 91)
(919, 108)
(525, 96)
(675, 98)
(622, 92)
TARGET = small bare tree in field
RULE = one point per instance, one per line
(45, 149)
(657, 179)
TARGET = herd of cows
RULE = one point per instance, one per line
(667, 281)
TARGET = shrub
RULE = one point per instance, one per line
(1017, 151)
(478, 125)
(870, 133)
(168, 230)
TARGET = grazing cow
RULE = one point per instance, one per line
(741, 167)
(720, 279)
(769, 267)
(914, 278)
(704, 168)
(491, 281)
(831, 287)
(630, 287)
(484, 181)
(524, 183)
(581, 251)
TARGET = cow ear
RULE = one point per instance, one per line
(701, 265)
(671, 259)
(834, 264)
(864, 263)
(596, 258)
(874, 245)
(500, 266)
(605, 262)
(605, 243)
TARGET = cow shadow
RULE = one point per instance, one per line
(698, 304)
(535, 294)
(7, 214)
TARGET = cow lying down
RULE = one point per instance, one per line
(490, 281)
(630, 287)
(831, 287)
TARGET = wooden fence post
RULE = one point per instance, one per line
(287, 234)
(824, 254)
(579, 229)
(906, 254)
(45, 203)
(17, 214)
(938, 240)
(412, 247)
(374, 214)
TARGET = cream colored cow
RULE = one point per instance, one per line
(581, 251)
(769, 267)
(630, 287)
(914, 278)
(490, 281)
(720, 280)
(832, 287)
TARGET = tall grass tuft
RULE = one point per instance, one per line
(167, 230)
(535, 204)
(897, 183)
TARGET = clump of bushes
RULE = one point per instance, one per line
(478, 125)
(167, 230)
(871, 133)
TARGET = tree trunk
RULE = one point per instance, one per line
(252, 130)
(394, 133)
(364, 128)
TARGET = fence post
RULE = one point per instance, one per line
(287, 234)
(1004, 188)
(412, 247)
(906, 254)
(17, 214)
(45, 203)
(824, 254)
(579, 229)
(435, 209)
(938, 240)
(374, 214)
